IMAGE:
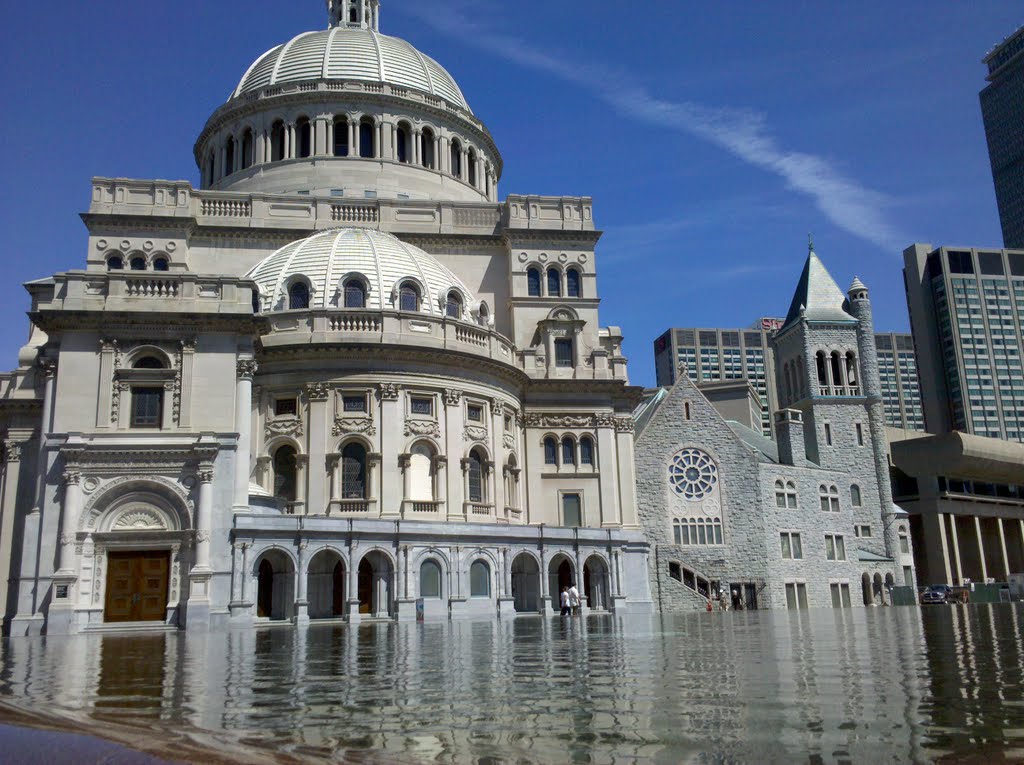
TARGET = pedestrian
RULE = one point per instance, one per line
(574, 598)
(564, 600)
(709, 606)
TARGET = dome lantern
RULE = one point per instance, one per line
(354, 14)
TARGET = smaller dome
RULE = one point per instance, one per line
(326, 260)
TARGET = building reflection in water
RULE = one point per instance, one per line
(820, 686)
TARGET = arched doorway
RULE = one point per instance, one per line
(560, 574)
(865, 586)
(374, 585)
(326, 586)
(525, 584)
(275, 586)
(595, 583)
(879, 591)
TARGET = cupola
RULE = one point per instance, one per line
(354, 14)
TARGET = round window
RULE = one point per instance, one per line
(692, 474)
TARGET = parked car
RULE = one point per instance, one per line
(937, 594)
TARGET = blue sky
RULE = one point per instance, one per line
(712, 136)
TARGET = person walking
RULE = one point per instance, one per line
(574, 598)
(564, 601)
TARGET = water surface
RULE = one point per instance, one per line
(892, 685)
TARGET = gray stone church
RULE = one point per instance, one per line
(804, 521)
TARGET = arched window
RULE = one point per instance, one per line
(353, 471)
(572, 283)
(554, 282)
(533, 282)
(837, 372)
(484, 315)
(456, 159)
(851, 369)
(355, 293)
(785, 495)
(115, 263)
(229, 156)
(819, 359)
(453, 306)
(277, 142)
(479, 580)
(161, 264)
(788, 380)
(408, 297)
(568, 451)
(366, 149)
(285, 473)
(855, 495)
(829, 497)
(353, 16)
(255, 301)
(149, 362)
(472, 167)
(211, 168)
(298, 296)
(138, 264)
(586, 451)
(304, 137)
(430, 579)
(421, 475)
(550, 451)
(427, 147)
(475, 474)
(402, 139)
(247, 149)
(340, 148)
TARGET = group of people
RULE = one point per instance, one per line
(570, 600)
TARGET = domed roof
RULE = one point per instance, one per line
(326, 260)
(359, 54)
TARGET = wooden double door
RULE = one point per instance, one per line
(137, 586)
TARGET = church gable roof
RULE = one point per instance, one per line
(817, 296)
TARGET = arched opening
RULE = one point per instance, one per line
(865, 586)
(819, 359)
(137, 263)
(456, 158)
(161, 264)
(298, 296)
(374, 581)
(355, 293)
(229, 156)
(353, 471)
(837, 372)
(554, 282)
(366, 148)
(275, 586)
(855, 498)
(402, 147)
(115, 263)
(325, 586)
(479, 580)
(595, 583)
(304, 136)
(211, 168)
(788, 381)
(484, 315)
(421, 473)
(560, 574)
(408, 297)
(890, 582)
(472, 167)
(427, 148)
(255, 301)
(550, 451)
(572, 283)
(568, 451)
(340, 137)
(149, 362)
(247, 149)
(533, 282)
(453, 305)
(430, 580)
(475, 477)
(285, 473)
(277, 141)
(878, 591)
(851, 369)
(586, 451)
(512, 482)
(525, 584)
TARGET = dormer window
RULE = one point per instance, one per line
(298, 296)
(453, 305)
(408, 297)
(564, 353)
(355, 294)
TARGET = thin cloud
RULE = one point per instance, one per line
(741, 132)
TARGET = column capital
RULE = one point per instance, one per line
(389, 392)
(48, 367)
(72, 477)
(452, 396)
(317, 391)
(205, 474)
(301, 460)
(246, 368)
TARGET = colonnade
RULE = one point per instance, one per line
(974, 547)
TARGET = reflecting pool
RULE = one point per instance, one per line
(858, 685)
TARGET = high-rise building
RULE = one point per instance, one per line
(967, 316)
(1002, 108)
(711, 355)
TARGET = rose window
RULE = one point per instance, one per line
(692, 474)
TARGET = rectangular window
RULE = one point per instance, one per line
(828, 434)
(860, 434)
(284, 407)
(801, 594)
(147, 407)
(475, 413)
(353, 403)
(840, 595)
(864, 532)
(908, 576)
(904, 544)
(563, 353)
(835, 547)
(796, 595)
(422, 405)
(792, 549)
(572, 510)
(844, 590)
(837, 599)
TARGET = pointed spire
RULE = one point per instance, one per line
(817, 296)
(857, 285)
(810, 243)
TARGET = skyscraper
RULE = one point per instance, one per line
(1002, 108)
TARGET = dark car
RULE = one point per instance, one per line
(937, 594)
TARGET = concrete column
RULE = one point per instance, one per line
(981, 549)
(108, 347)
(353, 137)
(945, 546)
(1002, 549)
(334, 468)
(956, 550)
(70, 509)
(245, 368)
(329, 150)
(353, 585)
(463, 159)
(204, 513)
(290, 141)
(301, 603)
(545, 585)
(260, 148)
(372, 473)
(506, 573)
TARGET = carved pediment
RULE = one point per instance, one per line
(363, 425)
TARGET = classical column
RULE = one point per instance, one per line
(506, 566)
(301, 603)
(318, 395)
(12, 455)
(441, 480)
(404, 463)
(981, 549)
(70, 509)
(204, 517)
(260, 148)
(301, 463)
(290, 141)
(334, 470)
(245, 368)
(353, 136)
(108, 350)
(329, 151)
(237, 551)
(373, 460)
(49, 369)
(498, 450)
(1002, 549)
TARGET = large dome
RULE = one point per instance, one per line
(382, 262)
(347, 54)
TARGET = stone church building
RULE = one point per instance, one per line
(805, 521)
(341, 379)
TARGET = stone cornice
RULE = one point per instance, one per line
(515, 237)
(130, 324)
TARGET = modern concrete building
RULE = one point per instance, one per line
(967, 317)
(1002, 109)
(712, 355)
(338, 378)
(805, 520)
(965, 499)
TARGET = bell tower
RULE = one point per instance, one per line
(354, 14)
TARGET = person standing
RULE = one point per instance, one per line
(574, 598)
(564, 601)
